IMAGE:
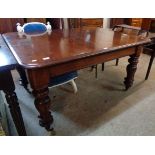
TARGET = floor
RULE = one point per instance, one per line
(101, 106)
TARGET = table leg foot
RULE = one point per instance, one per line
(131, 69)
(42, 104)
(51, 133)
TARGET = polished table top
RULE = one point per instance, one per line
(7, 60)
(66, 45)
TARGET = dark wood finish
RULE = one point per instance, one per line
(124, 26)
(143, 23)
(85, 22)
(23, 81)
(91, 22)
(79, 43)
(116, 21)
(7, 63)
(146, 23)
(152, 25)
(40, 92)
(9, 24)
(151, 50)
(137, 22)
(117, 60)
(139, 31)
(102, 66)
(42, 20)
(136, 30)
(150, 64)
(7, 60)
(56, 23)
(69, 50)
(8, 87)
(73, 23)
(131, 68)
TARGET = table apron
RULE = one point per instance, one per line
(88, 61)
(39, 77)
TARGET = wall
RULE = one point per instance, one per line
(106, 22)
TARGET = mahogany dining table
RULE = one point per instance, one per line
(48, 55)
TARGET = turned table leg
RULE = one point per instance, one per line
(131, 69)
(39, 80)
(7, 85)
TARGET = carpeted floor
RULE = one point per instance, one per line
(101, 106)
(2, 133)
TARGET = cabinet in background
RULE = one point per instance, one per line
(85, 22)
(9, 24)
(144, 23)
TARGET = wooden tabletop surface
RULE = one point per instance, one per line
(66, 45)
(7, 60)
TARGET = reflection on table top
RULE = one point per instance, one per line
(66, 45)
(7, 60)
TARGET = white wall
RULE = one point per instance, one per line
(106, 22)
(65, 23)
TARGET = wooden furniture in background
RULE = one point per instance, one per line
(8, 63)
(42, 20)
(91, 22)
(135, 22)
(101, 46)
(85, 22)
(152, 25)
(143, 23)
(9, 24)
(116, 21)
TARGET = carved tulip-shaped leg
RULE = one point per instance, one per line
(39, 83)
(131, 69)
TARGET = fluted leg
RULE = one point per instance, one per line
(131, 69)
